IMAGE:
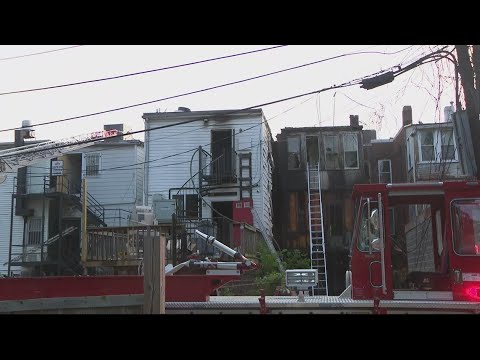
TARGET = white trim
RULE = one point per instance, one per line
(85, 155)
(437, 146)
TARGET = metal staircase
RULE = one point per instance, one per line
(317, 239)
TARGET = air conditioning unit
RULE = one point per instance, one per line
(143, 215)
(35, 257)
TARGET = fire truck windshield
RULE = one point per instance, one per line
(466, 226)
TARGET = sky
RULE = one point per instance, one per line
(379, 109)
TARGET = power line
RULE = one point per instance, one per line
(138, 72)
(39, 53)
(123, 167)
(206, 89)
(349, 83)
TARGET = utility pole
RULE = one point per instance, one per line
(469, 69)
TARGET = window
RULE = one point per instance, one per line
(437, 145)
(350, 148)
(293, 150)
(34, 231)
(92, 164)
(332, 159)
(409, 152)
(466, 226)
(223, 155)
(384, 171)
(448, 147)
(367, 230)
(187, 205)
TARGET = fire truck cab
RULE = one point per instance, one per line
(416, 241)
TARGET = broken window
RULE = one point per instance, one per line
(293, 150)
(350, 148)
(384, 171)
(332, 159)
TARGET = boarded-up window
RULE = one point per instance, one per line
(384, 171)
(350, 148)
(92, 164)
(293, 211)
(293, 149)
(332, 158)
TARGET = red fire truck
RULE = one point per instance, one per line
(415, 249)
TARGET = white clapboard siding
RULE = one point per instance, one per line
(164, 171)
(116, 186)
(6, 189)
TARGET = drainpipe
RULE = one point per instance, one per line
(145, 165)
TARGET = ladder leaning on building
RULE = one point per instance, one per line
(317, 239)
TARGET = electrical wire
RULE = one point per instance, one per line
(138, 72)
(206, 89)
(350, 83)
(39, 53)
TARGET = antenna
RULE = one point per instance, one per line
(334, 108)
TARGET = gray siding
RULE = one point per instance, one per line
(114, 188)
(6, 189)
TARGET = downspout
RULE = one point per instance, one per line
(145, 165)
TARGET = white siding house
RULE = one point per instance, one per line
(113, 170)
(112, 180)
(6, 190)
(172, 157)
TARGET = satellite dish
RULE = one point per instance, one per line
(3, 177)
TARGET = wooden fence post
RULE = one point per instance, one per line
(154, 272)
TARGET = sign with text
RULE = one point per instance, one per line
(57, 168)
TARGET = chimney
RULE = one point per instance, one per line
(354, 121)
(448, 112)
(407, 115)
